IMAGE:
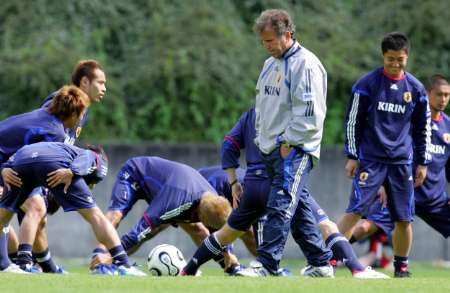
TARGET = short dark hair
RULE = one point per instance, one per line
(395, 41)
(436, 80)
(68, 100)
(85, 68)
(279, 20)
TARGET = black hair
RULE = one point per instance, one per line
(395, 41)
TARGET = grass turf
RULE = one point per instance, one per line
(425, 279)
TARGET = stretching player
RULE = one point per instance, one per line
(175, 193)
(48, 124)
(253, 201)
(89, 77)
(387, 115)
(431, 199)
(66, 170)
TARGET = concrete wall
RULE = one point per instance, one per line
(70, 236)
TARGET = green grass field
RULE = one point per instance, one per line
(425, 279)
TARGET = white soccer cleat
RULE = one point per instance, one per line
(256, 269)
(317, 272)
(130, 271)
(14, 269)
(370, 273)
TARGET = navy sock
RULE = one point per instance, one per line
(24, 255)
(119, 256)
(343, 251)
(45, 261)
(4, 260)
(98, 251)
(209, 249)
(13, 257)
(400, 263)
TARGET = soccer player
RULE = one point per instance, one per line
(48, 124)
(431, 199)
(175, 193)
(290, 111)
(67, 171)
(89, 77)
(253, 201)
(387, 115)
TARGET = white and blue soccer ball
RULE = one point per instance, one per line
(165, 260)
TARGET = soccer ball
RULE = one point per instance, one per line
(165, 260)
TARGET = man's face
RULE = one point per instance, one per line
(439, 96)
(95, 88)
(394, 62)
(275, 45)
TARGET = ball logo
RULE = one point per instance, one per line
(407, 97)
(363, 176)
(446, 137)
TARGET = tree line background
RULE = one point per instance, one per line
(185, 70)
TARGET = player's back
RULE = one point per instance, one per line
(46, 152)
(28, 128)
(218, 179)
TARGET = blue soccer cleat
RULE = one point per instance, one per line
(130, 271)
(102, 269)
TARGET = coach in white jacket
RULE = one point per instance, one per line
(290, 111)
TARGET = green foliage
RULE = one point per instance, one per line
(185, 70)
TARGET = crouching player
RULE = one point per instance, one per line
(66, 170)
(175, 193)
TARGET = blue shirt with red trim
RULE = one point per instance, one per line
(23, 129)
(388, 119)
(218, 179)
(242, 136)
(438, 171)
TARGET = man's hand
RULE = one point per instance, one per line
(285, 150)
(351, 167)
(60, 176)
(100, 258)
(236, 192)
(421, 174)
(382, 196)
(11, 177)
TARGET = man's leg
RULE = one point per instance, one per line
(5, 217)
(290, 176)
(347, 223)
(106, 234)
(401, 242)
(41, 251)
(13, 244)
(35, 210)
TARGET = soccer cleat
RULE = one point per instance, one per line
(402, 274)
(318, 272)
(60, 270)
(30, 268)
(232, 270)
(256, 269)
(130, 271)
(283, 272)
(103, 269)
(369, 273)
(14, 269)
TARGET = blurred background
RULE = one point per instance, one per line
(181, 72)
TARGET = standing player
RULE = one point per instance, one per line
(387, 115)
(253, 202)
(175, 193)
(431, 199)
(290, 111)
(66, 170)
(40, 125)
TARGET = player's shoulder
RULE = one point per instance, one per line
(368, 80)
(306, 59)
(414, 82)
(445, 119)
